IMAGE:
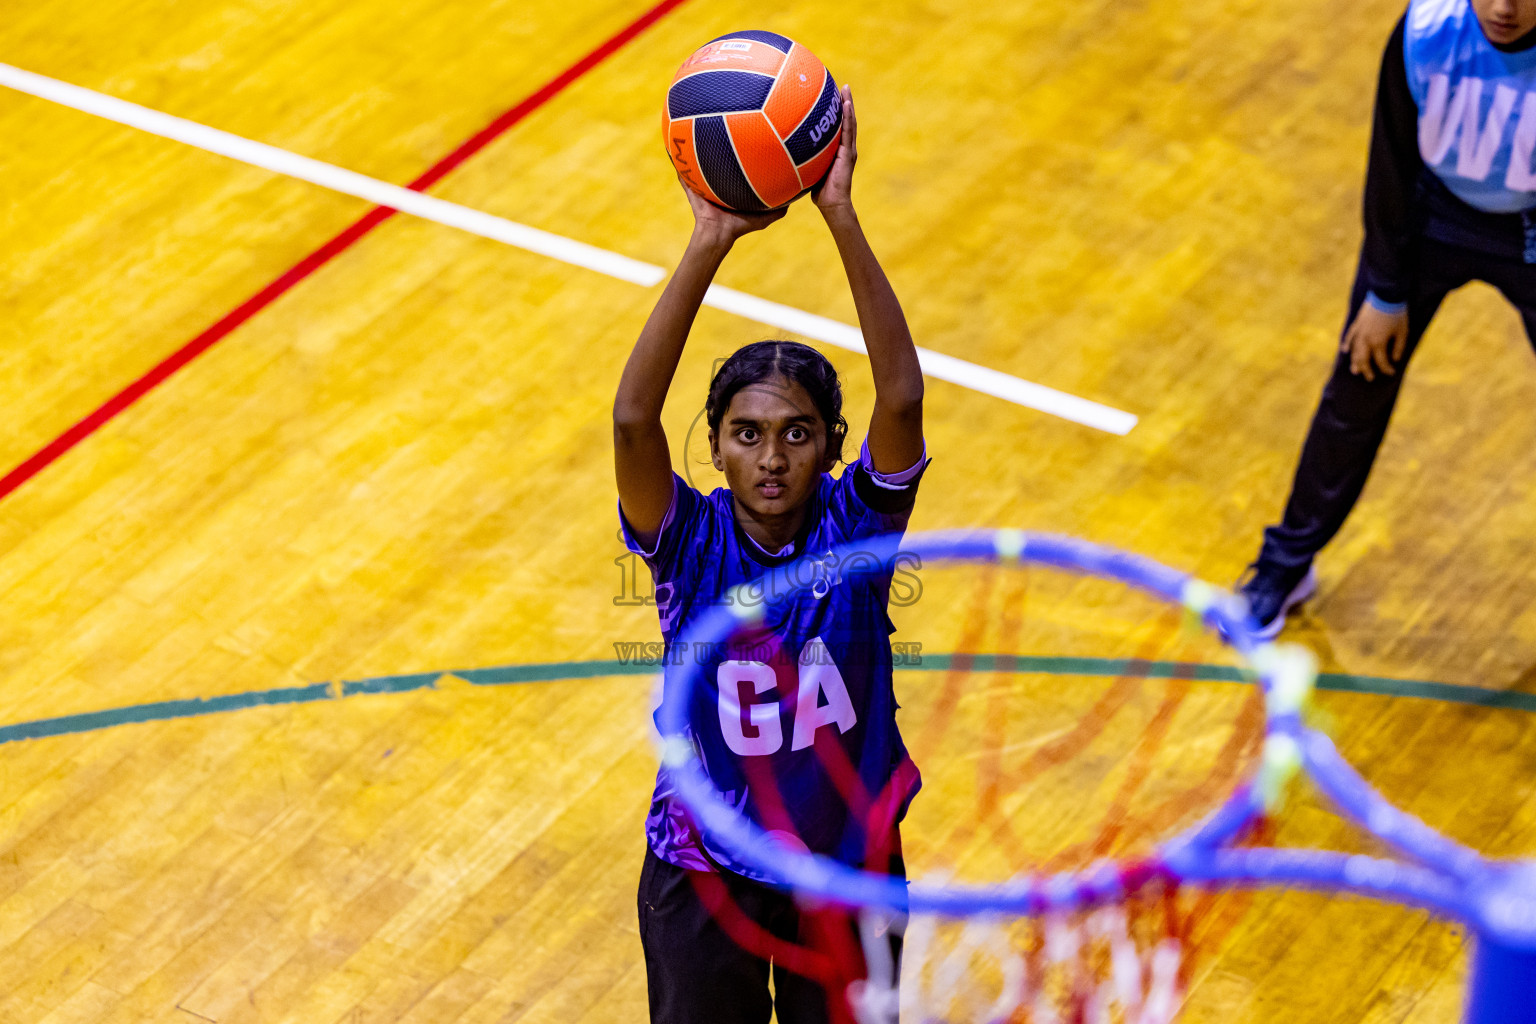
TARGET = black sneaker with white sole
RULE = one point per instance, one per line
(1272, 591)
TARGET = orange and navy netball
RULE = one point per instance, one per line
(752, 121)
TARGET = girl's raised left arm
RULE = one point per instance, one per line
(896, 426)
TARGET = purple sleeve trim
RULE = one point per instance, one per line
(666, 521)
(892, 481)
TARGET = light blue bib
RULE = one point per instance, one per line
(1477, 107)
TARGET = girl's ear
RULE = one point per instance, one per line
(828, 459)
(714, 451)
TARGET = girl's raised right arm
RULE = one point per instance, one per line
(642, 461)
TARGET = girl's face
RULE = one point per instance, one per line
(772, 447)
(1505, 21)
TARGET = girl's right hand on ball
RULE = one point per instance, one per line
(717, 224)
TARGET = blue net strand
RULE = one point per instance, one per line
(1230, 820)
(1321, 870)
(1497, 900)
(1363, 805)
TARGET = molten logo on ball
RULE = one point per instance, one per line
(828, 119)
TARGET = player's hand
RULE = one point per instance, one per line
(717, 224)
(836, 189)
(1375, 341)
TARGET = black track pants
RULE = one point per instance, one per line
(1352, 417)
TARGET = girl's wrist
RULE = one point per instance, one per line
(839, 214)
(711, 239)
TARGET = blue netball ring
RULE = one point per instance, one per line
(1497, 900)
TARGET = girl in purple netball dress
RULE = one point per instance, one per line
(777, 432)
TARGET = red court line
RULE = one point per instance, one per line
(55, 449)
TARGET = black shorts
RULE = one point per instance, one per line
(697, 971)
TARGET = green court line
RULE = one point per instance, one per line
(1384, 686)
(161, 711)
(512, 675)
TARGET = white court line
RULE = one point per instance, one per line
(566, 250)
(381, 193)
(935, 364)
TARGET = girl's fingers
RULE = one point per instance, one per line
(1379, 353)
(1351, 336)
(1359, 361)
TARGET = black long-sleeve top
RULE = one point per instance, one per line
(1405, 201)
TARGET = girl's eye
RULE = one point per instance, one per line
(747, 436)
(796, 434)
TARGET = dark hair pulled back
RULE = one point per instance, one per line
(764, 360)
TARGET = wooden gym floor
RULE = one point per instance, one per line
(401, 468)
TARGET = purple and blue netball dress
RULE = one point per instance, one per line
(795, 723)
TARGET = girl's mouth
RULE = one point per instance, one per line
(771, 489)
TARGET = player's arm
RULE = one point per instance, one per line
(1391, 178)
(896, 427)
(1376, 338)
(642, 461)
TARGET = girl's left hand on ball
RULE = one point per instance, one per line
(836, 189)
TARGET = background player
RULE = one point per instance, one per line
(776, 430)
(1450, 197)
